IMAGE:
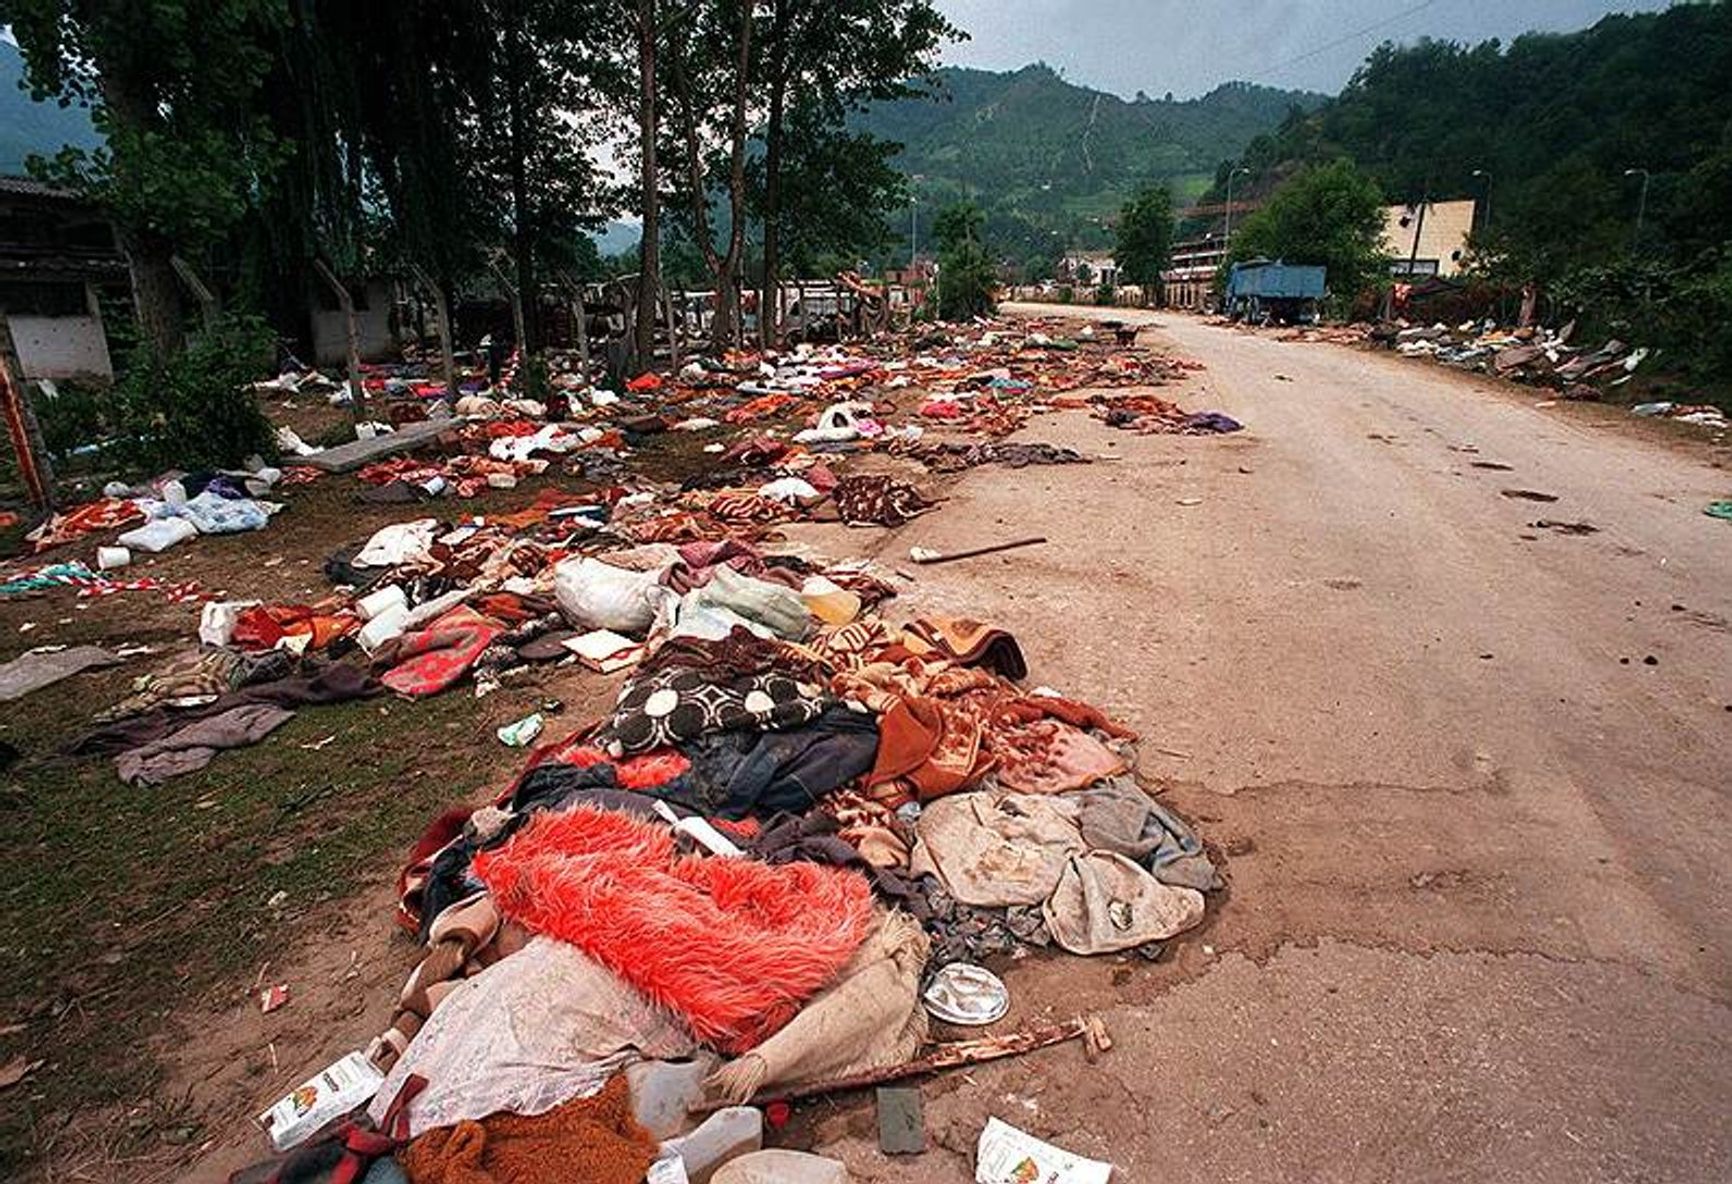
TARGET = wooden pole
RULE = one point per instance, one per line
(34, 470)
(949, 1056)
(442, 326)
(582, 331)
(673, 329)
(516, 299)
(207, 301)
(346, 302)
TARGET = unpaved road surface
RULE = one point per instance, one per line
(1478, 843)
(1478, 846)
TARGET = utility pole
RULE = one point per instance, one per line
(1227, 234)
(1418, 229)
(1641, 207)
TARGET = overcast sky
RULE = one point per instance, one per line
(1191, 46)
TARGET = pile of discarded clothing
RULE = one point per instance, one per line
(166, 512)
(783, 852)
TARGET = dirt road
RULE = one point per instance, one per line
(1471, 775)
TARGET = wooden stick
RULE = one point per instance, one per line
(947, 1056)
(992, 550)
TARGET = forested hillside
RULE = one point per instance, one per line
(1556, 122)
(1044, 157)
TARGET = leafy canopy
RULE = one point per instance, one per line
(1145, 235)
(1329, 214)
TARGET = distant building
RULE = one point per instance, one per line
(1189, 280)
(1089, 268)
(57, 254)
(375, 329)
(1441, 229)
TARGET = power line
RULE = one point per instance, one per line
(1373, 27)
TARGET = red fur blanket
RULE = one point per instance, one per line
(731, 945)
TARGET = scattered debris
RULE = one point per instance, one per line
(1006, 1155)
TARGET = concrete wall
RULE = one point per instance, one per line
(1443, 237)
(330, 332)
(61, 347)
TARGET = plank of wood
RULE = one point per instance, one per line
(345, 458)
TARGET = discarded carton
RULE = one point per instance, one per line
(327, 1095)
(1006, 1155)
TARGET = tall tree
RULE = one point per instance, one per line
(830, 54)
(839, 188)
(172, 85)
(649, 182)
(1145, 236)
(709, 58)
(965, 274)
(548, 66)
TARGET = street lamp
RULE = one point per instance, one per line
(1486, 223)
(1641, 206)
(1227, 234)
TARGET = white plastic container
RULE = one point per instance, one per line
(382, 628)
(109, 558)
(159, 535)
(376, 602)
(727, 1134)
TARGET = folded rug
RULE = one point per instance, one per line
(731, 946)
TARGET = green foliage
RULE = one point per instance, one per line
(73, 416)
(1329, 214)
(183, 143)
(965, 274)
(1683, 310)
(1106, 296)
(958, 224)
(838, 187)
(193, 410)
(1555, 120)
(1145, 236)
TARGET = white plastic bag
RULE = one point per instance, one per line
(158, 535)
(216, 622)
(598, 595)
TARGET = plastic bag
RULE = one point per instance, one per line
(598, 595)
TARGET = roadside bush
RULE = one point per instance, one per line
(1681, 309)
(966, 281)
(74, 415)
(1064, 295)
(1105, 295)
(193, 410)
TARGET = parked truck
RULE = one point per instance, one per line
(1260, 291)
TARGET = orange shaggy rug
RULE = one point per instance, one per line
(733, 946)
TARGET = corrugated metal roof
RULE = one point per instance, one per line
(31, 187)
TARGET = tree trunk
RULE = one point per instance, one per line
(149, 256)
(528, 306)
(768, 305)
(582, 332)
(441, 326)
(728, 278)
(651, 250)
(155, 290)
(695, 182)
